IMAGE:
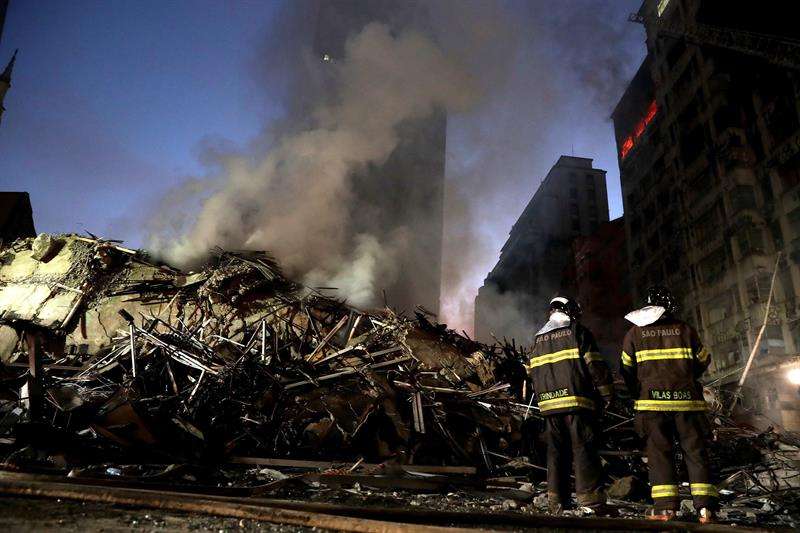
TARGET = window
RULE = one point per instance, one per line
(758, 287)
(707, 228)
(775, 343)
(576, 224)
(692, 145)
(713, 266)
(743, 197)
(727, 354)
(722, 306)
(573, 193)
(790, 173)
(590, 181)
(794, 221)
(701, 185)
(750, 240)
(776, 233)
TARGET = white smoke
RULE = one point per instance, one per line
(295, 200)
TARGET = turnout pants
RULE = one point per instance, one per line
(571, 437)
(691, 429)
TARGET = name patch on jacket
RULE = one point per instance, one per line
(667, 332)
(551, 395)
(665, 394)
(557, 334)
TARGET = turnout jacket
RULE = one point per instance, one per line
(661, 364)
(568, 371)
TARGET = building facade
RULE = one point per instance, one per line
(5, 75)
(16, 217)
(708, 137)
(597, 275)
(406, 193)
(571, 201)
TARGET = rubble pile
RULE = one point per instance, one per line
(109, 359)
(236, 359)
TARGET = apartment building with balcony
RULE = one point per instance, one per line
(708, 136)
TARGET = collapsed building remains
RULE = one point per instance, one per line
(238, 359)
(113, 364)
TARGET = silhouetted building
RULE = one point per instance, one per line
(597, 275)
(708, 134)
(16, 217)
(5, 76)
(407, 191)
(570, 202)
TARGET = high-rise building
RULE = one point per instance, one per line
(597, 275)
(5, 75)
(407, 191)
(5, 83)
(708, 135)
(571, 201)
(16, 217)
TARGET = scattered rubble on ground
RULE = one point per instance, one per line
(236, 376)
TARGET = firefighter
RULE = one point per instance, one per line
(662, 360)
(569, 378)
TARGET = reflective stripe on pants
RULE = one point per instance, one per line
(691, 429)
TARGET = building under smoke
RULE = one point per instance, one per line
(405, 193)
(5, 75)
(570, 202)
(708, 134)
(597, 275)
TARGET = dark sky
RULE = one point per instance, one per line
(114, 102)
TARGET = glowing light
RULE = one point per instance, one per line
(638, 130)
(626, 147)
(793, 376)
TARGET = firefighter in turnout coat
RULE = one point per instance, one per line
(569, 378)
(662, 360)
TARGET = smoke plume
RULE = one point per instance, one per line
(295, 200)
(522, 82)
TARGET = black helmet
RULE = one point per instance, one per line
(660, 295)
(567, 306)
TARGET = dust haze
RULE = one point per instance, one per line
(505, 73)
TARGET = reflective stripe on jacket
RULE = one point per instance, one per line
(568, 371)
(661, 364)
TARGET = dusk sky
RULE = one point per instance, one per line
(113, 103)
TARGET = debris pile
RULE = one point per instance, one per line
(109, 359)
(237, 359)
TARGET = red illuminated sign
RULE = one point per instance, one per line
(630, 141)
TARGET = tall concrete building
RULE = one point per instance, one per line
(407, 191)
(570, 202)
(597, 275)
(5, 83)
(5, 75)
(708, 134)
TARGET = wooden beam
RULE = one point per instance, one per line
(326, 465)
